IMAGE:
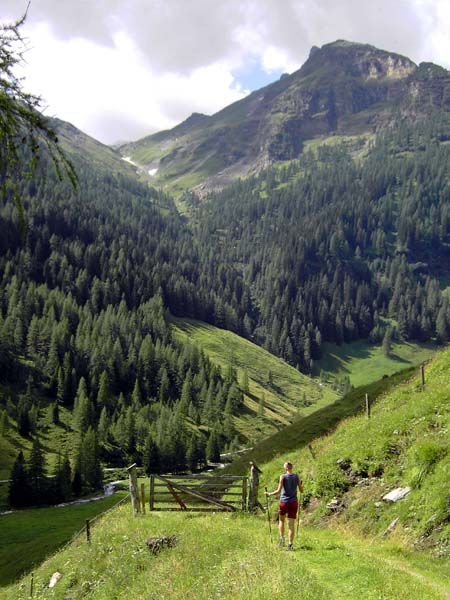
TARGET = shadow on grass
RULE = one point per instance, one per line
(397, 358)
(351, 352)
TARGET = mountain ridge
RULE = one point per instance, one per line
(343, 88)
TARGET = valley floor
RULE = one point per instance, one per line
(231, 556)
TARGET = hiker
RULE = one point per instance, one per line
(288, 484)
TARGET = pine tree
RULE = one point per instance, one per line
(36, 472)
(130, 431)
(151, 459)
(193, 453)
(387, 341)
(83, 411)
(19, 489)
(103, 395)
(91, 470)
(136, 397)
(103, 425)
(213, 447)
(77, 482)
(62, 480)
(442, 323)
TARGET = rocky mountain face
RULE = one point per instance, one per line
(343, 88)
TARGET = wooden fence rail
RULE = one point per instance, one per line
(198, 492)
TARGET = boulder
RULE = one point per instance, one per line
(54, 579)
(397, 494)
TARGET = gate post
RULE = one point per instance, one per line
(134, 491)
(151, 499)
(254, 486)
(244, 493)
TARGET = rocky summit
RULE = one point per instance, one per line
(344, 88)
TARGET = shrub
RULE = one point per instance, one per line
(329, 481)
(422, 456)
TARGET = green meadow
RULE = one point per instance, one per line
(364, 363)
(268, 406)
(30, 536)
(344, 555)
(231, 556)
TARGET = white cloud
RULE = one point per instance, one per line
(125, 68)
(440, 34)
(277, 59)
(111, 93)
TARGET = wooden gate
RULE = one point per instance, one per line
(198, 492)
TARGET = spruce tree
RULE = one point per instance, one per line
(19, 489)
(91, 470)
(62, 480)
(151, 457)
(36, 473)
(213, 447)
(387, 341)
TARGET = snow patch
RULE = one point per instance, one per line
(152, 172)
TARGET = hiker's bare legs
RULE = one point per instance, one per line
(291, 525)
(281, 519)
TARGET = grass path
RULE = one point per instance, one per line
(225, 556)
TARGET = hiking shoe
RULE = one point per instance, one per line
(290, 547)
(281, 542)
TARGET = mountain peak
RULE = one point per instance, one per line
(344, 88)
(358, 60)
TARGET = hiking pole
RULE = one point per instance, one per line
(298, 518)
(268, 515)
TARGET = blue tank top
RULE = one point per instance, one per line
(290, 485)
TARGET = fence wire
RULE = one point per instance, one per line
(102, 514)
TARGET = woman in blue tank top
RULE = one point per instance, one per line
(288, 484)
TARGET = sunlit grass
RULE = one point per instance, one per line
(364, 362)
(29, 536)
(290, 394)
(229, 556)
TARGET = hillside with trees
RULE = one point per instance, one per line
(351, 241)
(348, 242)
(84, 323)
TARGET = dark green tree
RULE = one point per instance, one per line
(151, 457)
(19, 488)
(36, 473)
(21, 123)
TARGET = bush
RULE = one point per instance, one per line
(421, 459)
(329, 481)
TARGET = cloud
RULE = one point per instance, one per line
(110, 93)
(144, 65)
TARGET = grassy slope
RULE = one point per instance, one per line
(306, 429)
(52, 440)
(405, 443)
(230, 556)
(364, 363)
(29, 536)
(283, 401)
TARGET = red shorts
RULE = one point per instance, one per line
(289, 509)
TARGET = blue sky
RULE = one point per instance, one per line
(253, 76)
